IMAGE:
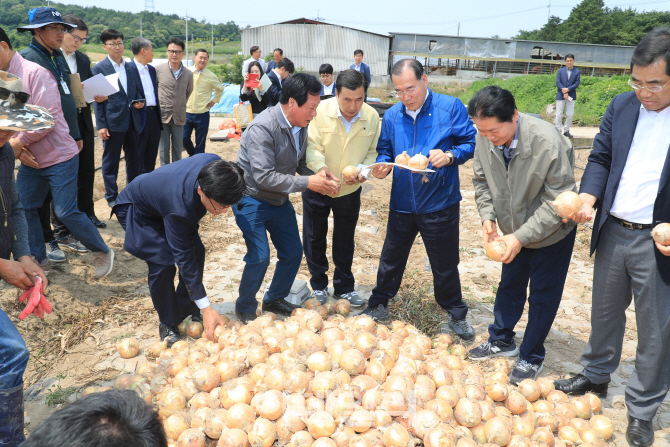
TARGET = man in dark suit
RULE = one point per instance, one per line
(567, 81)
(278, 75)
(277, 55)
(160, 213)
(118, 118)
(150, 114)
(626, 178)
(364, 68)
(79, 63)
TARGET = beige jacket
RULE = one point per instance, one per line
(328, 143)
(542, 167)
(173, 93)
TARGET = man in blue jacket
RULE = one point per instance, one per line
(117, 118)
(567, 81)
(438, 127)
(161, 212)
(627, 180)
(361, 66)
(277, 76)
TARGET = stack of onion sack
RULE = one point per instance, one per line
(349, 382)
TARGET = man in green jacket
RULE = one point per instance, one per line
(521, 163)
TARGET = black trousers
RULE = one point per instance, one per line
(85, 179)
(149, 139)
(439, 231)
(316, 209)
(111, 156)
(172, 305)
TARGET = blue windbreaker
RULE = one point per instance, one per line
(442, 123)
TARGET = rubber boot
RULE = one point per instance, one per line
(11, 417)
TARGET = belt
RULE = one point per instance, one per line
(151, 107)
(629, 225)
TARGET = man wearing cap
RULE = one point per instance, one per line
(55, 158)
(21, 272)
(48, 29)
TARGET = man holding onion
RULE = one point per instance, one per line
(627, 180)
(436, 126)
(343, 134)
(521, 163)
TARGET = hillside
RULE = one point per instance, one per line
(157, 27)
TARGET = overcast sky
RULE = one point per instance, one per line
(478, 18)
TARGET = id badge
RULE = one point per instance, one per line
(65, 88)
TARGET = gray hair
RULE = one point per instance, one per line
(412, 64)
(138, 44)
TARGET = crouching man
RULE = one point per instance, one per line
(521, 163)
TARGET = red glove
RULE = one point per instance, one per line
(37, 303)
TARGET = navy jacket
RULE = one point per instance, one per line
(116, 114)
(163, 219)
(84, 70)
(323, 87)
(442, 123)
(272, 64)
(606, 162)
(143, 111)
(274, 92)
(365, 69)
(572, 84)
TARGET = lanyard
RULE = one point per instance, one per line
(51, 59)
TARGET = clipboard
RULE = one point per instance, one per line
(77, 92)
(267, 83)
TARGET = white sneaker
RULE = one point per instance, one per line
(104, 262)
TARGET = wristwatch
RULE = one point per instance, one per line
(451, 157)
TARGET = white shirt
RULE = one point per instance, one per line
(638, 188)
(71, 60)
(295, 131)
(278, 76)
(147, 85)
(245, 65)
(414, 113)
(121, 70)
(348, 124)
(328, 89)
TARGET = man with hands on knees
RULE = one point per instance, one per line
(272, 151)
(160, 212)
(344, 133)
(436, 126)
(627, 180)
(521, 163)
(21, 272)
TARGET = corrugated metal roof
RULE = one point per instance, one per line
(310, 45)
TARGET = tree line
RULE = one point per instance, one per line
(157, 27)
(592, 22)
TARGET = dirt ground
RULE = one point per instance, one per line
(74, 346)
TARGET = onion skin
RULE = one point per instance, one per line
(468, 413)
(233, 437)
(350, 173)
(402, 159)
(496, 249)
(396, 436)
(567, 204)
(419, 161)
(321, 425)
(191, 437)
(128, 348)
(603, 426)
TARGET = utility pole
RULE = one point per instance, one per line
(212, 41)
(458, 33)
(141, 26)
(186, 34)
(549, 12)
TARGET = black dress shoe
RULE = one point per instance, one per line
(244, 317)
(639, 433)
(568, 134)
(579, 385)
(169, 332)
(280, 306)
(97, 222)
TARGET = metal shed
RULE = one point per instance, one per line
(309, 43)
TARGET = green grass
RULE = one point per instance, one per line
(534, 92)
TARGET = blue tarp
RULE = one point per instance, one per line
(231, 96)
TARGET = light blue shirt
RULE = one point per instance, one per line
(348, 124)
(178, 72)
(296, 132)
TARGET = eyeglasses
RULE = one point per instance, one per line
(653, 88)
(78, 39)
(175, 51)
(58, 29)
(218, 209)
(409, 92)
(114, 45)
(18, 96)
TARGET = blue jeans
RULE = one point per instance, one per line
(199, 122)
(257, 218)
(13, 354)
(61, 179)
(546, 269)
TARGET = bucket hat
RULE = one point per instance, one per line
(43, 16)
(15, 114)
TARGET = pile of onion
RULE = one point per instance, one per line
(327, 379)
